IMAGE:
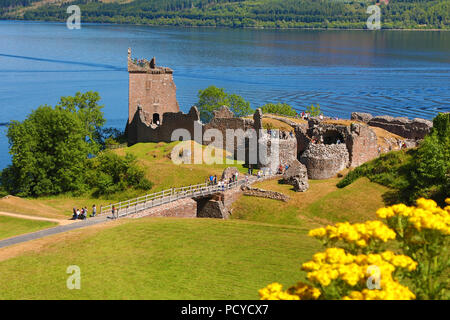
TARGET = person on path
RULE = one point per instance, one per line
(94, 211)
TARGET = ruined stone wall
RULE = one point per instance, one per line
(183, 208)
(362, 144)
(415, 129)
(139, 131)
(303, 140)
(325, 161)
(222, 124)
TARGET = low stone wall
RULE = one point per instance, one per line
(183, 208)
(325, 161)
(415, 129)
(261, 193)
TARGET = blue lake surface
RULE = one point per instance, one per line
(399, 73)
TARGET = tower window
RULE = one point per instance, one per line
(156, 119)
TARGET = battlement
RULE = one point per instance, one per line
(145, 66)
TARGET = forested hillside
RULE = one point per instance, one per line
(403, 14)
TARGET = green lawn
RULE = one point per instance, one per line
(10, 226)
(155, 258)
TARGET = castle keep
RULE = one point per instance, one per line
(151, 89)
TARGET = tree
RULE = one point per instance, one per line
(56, 150)
(313, 111)
(279, 108)
(48, 151)
(86, 106)
(213, 98)
(430, 168)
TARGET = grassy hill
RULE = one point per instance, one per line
(419, 14)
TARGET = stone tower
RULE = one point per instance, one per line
(151, 91)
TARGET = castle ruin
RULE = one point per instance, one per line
(323, 147)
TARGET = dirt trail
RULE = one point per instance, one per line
(23, 216)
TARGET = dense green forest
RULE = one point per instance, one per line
(421, 14)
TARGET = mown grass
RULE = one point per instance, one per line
(11, 226)
(155, 258)
(323, 203)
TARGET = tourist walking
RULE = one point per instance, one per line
(94, 211)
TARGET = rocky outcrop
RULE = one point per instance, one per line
(325, 161)
(297, 176)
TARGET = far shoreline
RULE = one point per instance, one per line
(225, 27)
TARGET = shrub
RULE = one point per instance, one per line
(110, 173)
(279, 108)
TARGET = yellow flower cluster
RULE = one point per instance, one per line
(358, 233)
(301, 291)
(391, 291)
(426, 215)
(335, 263)
(274, 291)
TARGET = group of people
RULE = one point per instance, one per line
(282, 169)
(82, 214)
(212, 179)
(281, 134)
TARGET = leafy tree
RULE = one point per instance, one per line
(279, 108)
(313, 111)
(430, 169)
(213, 98)
(86, 106)
(48, 153)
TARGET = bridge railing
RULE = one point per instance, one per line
(151, 200)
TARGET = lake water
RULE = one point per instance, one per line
(400, 73)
